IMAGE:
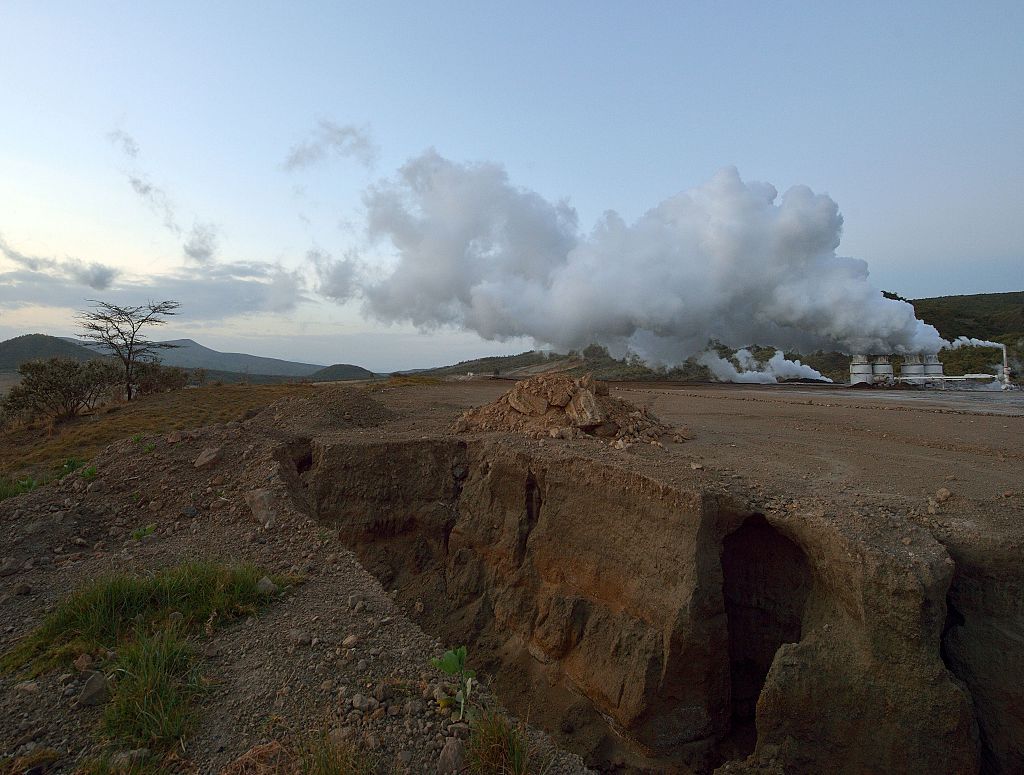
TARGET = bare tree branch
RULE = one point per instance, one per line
(119, 330)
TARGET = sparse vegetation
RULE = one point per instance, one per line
(106, 612)
(496, 746)
(141, 532)
(323, 754)
(31, 450)
(139, 630)
(58, 389)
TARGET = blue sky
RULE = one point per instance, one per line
(908, 115)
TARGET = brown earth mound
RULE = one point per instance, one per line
(561, 407)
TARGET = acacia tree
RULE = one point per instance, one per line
(119, 330)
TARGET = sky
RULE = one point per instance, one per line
(233, 156)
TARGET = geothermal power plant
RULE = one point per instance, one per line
(921, 369)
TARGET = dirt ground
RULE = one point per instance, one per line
(951, 463)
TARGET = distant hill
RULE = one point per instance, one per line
(980, 315)
(341, 371)
(32, 347)
(191, 355)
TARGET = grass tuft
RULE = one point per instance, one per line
(156, 680)
(325, 755)
(496, 746)
(100, 615)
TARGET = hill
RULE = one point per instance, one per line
(980, 315)
(341, 371)
(189, 354)
(31, 347)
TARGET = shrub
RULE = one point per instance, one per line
(153, 377)
(59, 388)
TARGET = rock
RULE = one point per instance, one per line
(128, 759)
(190, 511)
(95, 691)
(261, 505)
(453, 756)
(209, 457)
(266, 587)
(174, 437)
(96, 486)
(10, 566)
(300, 637)
(525, 402)
(83, 662)
(27, 687)
(943, 495)
(584, 411)
(361, 702)
(350, 641)
(23, 589)
(696, 466)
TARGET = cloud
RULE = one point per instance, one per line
(157, 201)
(730, 260)
(125, 142)
(201, 244)
(337, 279)
(331, 139)
(94, 274)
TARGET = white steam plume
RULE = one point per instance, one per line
(966, 341)
(729, 260)
(776, 368)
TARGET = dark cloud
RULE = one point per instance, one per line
(94, 274)
(201, 245)
(337, 279)
(331, 139)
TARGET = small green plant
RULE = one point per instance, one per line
(453, 663)
(71, 465)
(9, 488)
(149, 447)
(136, 438)
(89, 473)
(141, 532)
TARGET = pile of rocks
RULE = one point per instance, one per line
(558, 406)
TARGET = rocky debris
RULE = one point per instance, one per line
(10, 565)
(209, 457)
(261, 504)
(560, 407)
(266, 587)
(453, 756)
(96, 689)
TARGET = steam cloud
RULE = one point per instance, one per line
(776, 368)
(729, 260)
(966, 341)
(331, 138)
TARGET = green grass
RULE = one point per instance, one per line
(141, 628)
(11, 487)
(110, 610)
(141, 532)
(156, 682)
(496, 746)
